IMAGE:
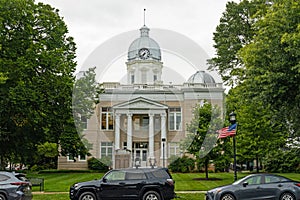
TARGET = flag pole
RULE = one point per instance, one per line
(232, 120)
(234, 158)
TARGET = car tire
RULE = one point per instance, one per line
(287, 196)
(87, 196)
(151, 195)
(2, 197)
(227, 197)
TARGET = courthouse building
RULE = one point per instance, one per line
(144, 121)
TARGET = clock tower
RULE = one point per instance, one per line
(144, 64)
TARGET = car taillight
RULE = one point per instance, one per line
(18, 183)
(170, 181)
(298, 184)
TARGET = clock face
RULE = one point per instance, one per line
(144, 53)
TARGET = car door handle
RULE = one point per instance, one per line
(121, 183)
(258, 187)
(280, 185)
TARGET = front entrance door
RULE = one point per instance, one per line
(140, 154)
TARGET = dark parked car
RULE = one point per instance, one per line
(139, 184)
(258, 186)
(14, 186)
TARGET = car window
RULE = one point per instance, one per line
(275, 179)
(271, 179)
(116, 176)
(160, 174)
(4, 177)
(135, 175)
(253, 180)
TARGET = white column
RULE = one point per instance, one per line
(129, 131)
(117, 132)
(151, 135)
(163, 136)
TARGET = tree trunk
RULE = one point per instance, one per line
(206, 168)
(257, 165)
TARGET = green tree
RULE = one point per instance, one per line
(233, 33)
(202, 138)
(37, 58)
(272, 61)
(264, 70)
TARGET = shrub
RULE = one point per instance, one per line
(96, 164)
(184, 165)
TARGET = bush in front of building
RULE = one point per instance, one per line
(183, 165)
(97, 164)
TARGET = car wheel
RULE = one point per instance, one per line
(151, 195)
(87, 196)
(2, 197)
(287, 196)
(228, 197)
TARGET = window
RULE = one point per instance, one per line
(124, 145)
(106, 149)
(116, 176)
(3, 177)
(132, 79)
(84, 122)
(254, 180)
(273, 179)
(136, 123)
(144, 77)
(79, 158)
(160, 174)
(174, 149)
(145, 123)
(155, 78)
(135, 176)
(140, 122)
(107, 119)
(174, 119)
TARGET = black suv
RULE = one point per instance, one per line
(139, 184)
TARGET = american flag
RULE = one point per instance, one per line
(227, 131)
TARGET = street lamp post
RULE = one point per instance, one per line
(232, 120)
(163, 143)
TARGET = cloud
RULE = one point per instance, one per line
(93, 22)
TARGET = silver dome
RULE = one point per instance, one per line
(144, 41)
(201, 77)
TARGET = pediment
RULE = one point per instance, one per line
(140, 103)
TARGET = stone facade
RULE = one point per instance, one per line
(142, 122)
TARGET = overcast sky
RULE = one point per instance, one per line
(93, 22)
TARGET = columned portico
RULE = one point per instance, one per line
(140, 108)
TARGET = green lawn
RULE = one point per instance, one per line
(66, 196)
(61, 182)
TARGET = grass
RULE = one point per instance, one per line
(55, 183)
(61, 182)
(189, 196)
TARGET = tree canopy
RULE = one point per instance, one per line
(257, 45)
(37, 61)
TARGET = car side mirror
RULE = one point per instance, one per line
(245, 184)
(104, 180)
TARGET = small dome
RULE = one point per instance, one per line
(201, 77)
(144, 41)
